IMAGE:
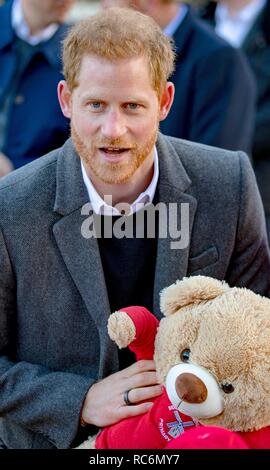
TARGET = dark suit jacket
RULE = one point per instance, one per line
(256, 47)
(212, 81)
(53, 301)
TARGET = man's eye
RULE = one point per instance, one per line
(95, 105)
(132, 106)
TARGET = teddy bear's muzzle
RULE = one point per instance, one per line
(194, 391)
(190, 388)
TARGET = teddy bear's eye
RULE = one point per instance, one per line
(185, 354)
(227, 388)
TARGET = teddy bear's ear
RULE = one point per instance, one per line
(191, 290)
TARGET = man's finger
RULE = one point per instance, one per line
(137, 395)
(144, 379)
(128, 411)
(138, 367)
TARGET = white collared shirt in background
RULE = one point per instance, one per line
(100, 206)
(234, 29)
(22, 30)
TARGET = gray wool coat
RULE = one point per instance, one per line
(53, 301)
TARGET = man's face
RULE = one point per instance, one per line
(115, 113)
(51, 11)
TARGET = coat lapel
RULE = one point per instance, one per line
(171, 264)
(81, 255)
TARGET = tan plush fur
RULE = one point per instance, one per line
(121, 329)
(184, 293)
(228, 333)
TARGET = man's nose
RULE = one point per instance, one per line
(114, 125)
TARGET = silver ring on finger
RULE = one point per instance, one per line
(126, 398)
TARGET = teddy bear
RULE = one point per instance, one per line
(212, 356)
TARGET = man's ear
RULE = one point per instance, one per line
(166, 101)
(64, 97)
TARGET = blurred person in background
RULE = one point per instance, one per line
(215, 90)
(31, 122)
(246, 25)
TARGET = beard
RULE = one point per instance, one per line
(109, 172)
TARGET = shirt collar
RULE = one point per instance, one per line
(176, 21)
(22, 30)
(102, 208)
(246, 15)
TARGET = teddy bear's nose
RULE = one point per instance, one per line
(190, 388)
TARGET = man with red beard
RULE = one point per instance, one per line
(61, 376)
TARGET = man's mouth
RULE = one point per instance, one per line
(113, 150)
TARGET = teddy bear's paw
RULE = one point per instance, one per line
(121, 329)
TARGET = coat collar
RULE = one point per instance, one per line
(172, 171)
(71, 193)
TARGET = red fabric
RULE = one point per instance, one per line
(152, 430)
(212, 437)
(146, 325)
(208, 437)
(257, 439)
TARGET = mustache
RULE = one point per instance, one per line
(118, 142)
(102, 141)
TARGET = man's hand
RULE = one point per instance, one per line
(5, 165)
(104, 403)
